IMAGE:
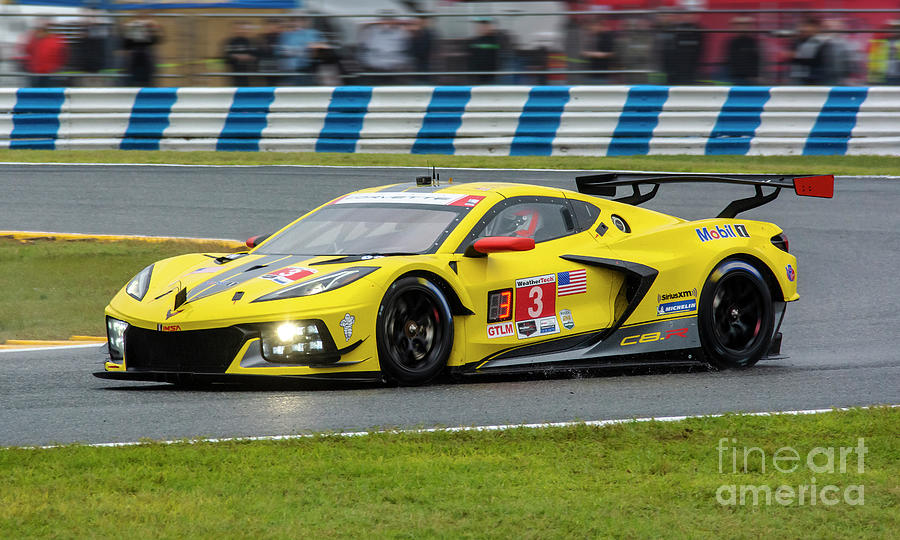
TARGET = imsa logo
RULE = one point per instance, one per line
(727, 231)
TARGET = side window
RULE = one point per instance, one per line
(541, 221)
(585, 214)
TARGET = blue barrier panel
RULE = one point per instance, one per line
(737, 121)
(344, 119)
(149, 118)
(442, 119)
(834, 125)
(539, 121)
(35, 118)
(246, 119)
(639, 118)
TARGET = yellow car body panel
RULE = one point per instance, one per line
(219, 294)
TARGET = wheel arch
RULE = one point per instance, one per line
(456, 305)
(767, 273)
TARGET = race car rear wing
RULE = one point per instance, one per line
(605, 184)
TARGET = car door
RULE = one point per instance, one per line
(525, 297)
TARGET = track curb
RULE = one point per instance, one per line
(27, 344)
(25, 236)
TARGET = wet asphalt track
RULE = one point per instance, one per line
(842, 336)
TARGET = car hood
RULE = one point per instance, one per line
(223, 288)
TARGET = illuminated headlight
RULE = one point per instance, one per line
(115, 335)
(325, 283)
(139, 284)
(291, 342)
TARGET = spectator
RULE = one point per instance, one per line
(884, 56)
(139, 38)
(634, 50)
(326, 28)
(686, 49)
(809, 63)
(421, 47)
(242, 54)
(96, 49)
(540, 54)
(841, 63)
(383, 48)
(742, 56)
(600, 51)
(296, 51)
(665, 43)
(484, 50)
(45, 54)
(328, 69)
(268, 51)
(572, 41)
(892, 73)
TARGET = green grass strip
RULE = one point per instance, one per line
(634, 480)
(56, 289)
(840, 165)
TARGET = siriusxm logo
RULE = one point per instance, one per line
(722, 231)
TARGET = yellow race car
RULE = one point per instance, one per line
(408, 281)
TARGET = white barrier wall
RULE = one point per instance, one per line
(486, 120)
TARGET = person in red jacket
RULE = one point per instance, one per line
(45, 54)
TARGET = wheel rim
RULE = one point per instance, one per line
(413, 329)
(737, 313)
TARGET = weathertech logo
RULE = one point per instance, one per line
(539, 280)
(727, 231)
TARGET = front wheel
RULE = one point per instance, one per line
(414, 331)
(735, 318)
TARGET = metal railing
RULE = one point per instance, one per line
(190, 49)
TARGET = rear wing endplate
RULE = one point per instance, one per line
(606, 183)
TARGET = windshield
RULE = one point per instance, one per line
(354, 229)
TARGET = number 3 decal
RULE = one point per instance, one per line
(537, 296)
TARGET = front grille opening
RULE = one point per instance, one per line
(191, 351)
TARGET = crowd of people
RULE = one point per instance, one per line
(670, 48)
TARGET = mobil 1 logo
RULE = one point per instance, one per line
(719, 232)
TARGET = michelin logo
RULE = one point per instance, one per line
(727, 231)
(347, 324)
(670, 308)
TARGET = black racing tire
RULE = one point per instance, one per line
(736, 317)
(414, 331)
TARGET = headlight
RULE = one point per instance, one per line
(115, 334)
(139, 284)
(297, 342)
(328, 282)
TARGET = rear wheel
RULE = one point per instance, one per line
(414, 331)
(735, 318)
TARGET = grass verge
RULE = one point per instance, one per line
(634, 480)
(56, 289)
(841, 165)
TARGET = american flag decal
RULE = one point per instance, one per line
(571, 282)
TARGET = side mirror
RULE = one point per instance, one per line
(254, 241)
(499, 244)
